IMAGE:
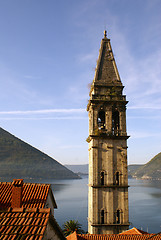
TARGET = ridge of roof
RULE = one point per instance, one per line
(23, 210)
(27, 183)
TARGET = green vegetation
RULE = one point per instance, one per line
(20, 160)
(151, 170)
(72, 226)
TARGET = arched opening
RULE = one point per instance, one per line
(102, 216)
(118, 217)
(102, 178)
(101, 120)
(115, 122)
(117, 178)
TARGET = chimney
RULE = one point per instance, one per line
(17, 189)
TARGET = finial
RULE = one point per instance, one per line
(105, 34)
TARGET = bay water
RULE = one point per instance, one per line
(72, 200)
(144, 203)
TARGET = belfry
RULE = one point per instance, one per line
(108, 177)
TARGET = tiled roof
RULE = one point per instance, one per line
(23, 224)
(34, 195)
(72, 236)
(75, 236)
(134, 231)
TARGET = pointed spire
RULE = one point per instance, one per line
(106, 69)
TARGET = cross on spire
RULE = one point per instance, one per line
(105, 34)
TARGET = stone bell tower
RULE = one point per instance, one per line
(108, 177)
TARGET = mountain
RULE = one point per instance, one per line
(79, 169)
(151, 170)
(132, 169)
(20, 160)
(83, 169)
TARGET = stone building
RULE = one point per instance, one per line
(108, 177)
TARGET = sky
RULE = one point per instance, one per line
(48, 55)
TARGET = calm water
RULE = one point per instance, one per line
(72, 198)
(144, 203)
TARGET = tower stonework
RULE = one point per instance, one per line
(108, 177)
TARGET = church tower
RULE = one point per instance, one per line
(108, 177)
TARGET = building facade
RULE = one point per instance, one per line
(108, 177)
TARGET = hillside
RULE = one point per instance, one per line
(20, 160)
(151, 170)
(79, 169)
(83, 169)
(132, 169)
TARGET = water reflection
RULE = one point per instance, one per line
(145, 204)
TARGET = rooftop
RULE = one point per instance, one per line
(34, 195)
(134, 231)
(21, 223)
(134, 236)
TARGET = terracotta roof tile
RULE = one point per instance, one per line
(13, 224)
(33, 195)
(134, 231)
(72, 236)
(115, 237)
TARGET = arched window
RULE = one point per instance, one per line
(102, 178)
(117, 178)
(102, 216)
(115, 122)
(118, 217)
(101, 120)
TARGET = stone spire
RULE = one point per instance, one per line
(106, 69)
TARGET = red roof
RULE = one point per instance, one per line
(75, 236)
(134, 231)
(34, 195)
(27, 224)
(72, 236)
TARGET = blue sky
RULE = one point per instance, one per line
(48, 53)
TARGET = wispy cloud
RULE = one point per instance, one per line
(44, 111)
(31, 77)
(144, 117)
(45, 114)
(140, 73)
(142, 134)
(43, 118)
(145, 107)
(87, 57)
